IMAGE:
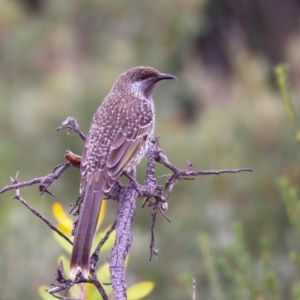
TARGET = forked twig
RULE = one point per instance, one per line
(156, 197)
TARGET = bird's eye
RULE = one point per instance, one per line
(143, 76)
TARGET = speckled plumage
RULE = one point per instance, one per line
(118, 138)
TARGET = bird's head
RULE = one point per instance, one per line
(140, 81)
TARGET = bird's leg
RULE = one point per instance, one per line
(131, 175)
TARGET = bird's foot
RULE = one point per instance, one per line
(134, 182)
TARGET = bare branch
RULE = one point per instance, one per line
(98, 285)
(74, 159)
(71, 124)
(152, 249)
(126, 212)
(44, 181)
(188, 174)
(162, 159)
(19, 198)
(66, 284)
(194, 288)
(156, 197)
(94, 258)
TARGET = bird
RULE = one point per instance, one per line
(119, 137)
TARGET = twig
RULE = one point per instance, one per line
(156, 198)
(65, 284)
(94, 258)
(98, 285)
(194, 288)
(152, 240)
(44, 181)
(18, 197)
(179, 174)
(71, 124)
(74, 159)
(151, 189)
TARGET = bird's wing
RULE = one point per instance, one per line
(83, 164)
(113, 140)
(136, 127)
(98, 140)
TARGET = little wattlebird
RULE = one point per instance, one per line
(118, 138)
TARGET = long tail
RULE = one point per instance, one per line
(86, 227)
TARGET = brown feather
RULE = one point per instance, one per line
(86, 227)
(118, 138)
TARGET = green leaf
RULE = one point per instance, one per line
(103, 277)
(61, 216)
(44, 294)
(140, 290)
(103, 273)
(62, 242)
(102, 213)
(108, 244)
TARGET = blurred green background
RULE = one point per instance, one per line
(59, 58)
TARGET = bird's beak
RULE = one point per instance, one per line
(163, 76)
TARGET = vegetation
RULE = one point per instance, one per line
(238, 234)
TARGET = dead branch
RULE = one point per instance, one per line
(155, 196)
(194, 288)
(44, 182)
(71, 124)
(35, 212)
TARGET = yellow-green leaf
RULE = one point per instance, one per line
(108, 244)
(102, 213)
(75, 292)
(93, 294)
(140, 290)
(62, 242)
(126, 261)
(103, 276)
(64, 229)
(103, 273)
(61, 216)
(44, 294)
